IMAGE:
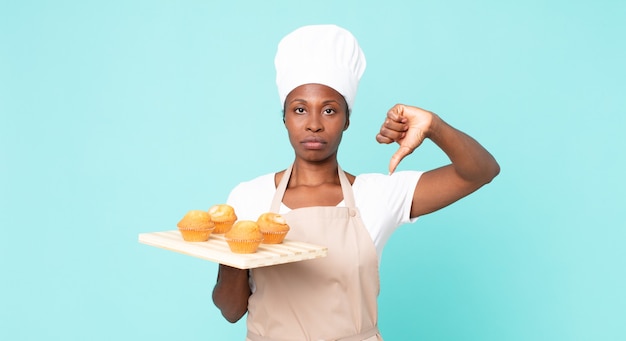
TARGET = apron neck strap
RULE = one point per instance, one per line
(280, 190)
(346, 189)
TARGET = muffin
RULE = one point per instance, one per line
(223, 216)
(196, 226)
(273, 226)
(244, 237)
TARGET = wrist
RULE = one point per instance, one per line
(435, 127)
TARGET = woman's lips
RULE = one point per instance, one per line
(313, 143)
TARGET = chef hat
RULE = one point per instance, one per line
(323, 54)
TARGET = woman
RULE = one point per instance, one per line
(334, 298)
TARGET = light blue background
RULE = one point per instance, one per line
(119, 116)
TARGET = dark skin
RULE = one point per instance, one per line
(316, 117)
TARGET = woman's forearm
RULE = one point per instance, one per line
(471, 161)
(231, 292)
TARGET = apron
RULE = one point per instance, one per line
(330, 298)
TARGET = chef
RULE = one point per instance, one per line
(318, 69)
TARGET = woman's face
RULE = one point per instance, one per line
(316, 117)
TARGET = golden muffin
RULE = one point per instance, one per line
(244, 237)
(196, 226)
(273, 226)
(223, 216)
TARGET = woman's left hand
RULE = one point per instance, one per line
(406, 125)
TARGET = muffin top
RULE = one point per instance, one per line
(196, 219)
(272, 222)
(245, 230)
(222, 212)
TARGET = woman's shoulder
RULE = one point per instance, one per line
(377, 186)
(385, 200)
(254, 188)
(260, 181)
(252, 197)
(381, 180)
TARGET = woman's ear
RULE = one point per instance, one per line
(345, 127)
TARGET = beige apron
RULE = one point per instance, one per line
(330, 298)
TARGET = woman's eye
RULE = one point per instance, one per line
(299, 110)
(329, 111)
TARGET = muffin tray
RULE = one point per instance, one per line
(216, 250)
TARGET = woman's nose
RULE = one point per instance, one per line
(314, 124)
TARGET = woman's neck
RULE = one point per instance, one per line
(314, 174)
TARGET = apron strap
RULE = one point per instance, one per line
(280, 190)
(346, 188)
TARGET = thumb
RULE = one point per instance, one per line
(402, 152)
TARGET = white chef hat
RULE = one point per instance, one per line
(323, 54)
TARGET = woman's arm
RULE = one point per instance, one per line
(472, 165)
(231, 292)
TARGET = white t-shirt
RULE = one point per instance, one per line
(384, 201)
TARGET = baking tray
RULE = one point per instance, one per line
(216, 250)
